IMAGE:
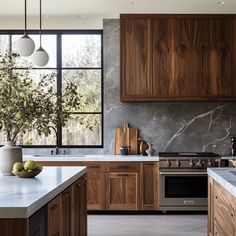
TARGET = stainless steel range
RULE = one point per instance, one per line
(183, 180)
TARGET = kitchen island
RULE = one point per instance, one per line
(52, 203)
(222, 201)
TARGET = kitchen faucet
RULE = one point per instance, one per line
(57, 148)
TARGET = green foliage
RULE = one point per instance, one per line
(26, 105)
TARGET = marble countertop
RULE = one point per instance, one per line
(79, 158)
(225, 177)
(20, 197)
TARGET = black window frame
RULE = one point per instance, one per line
(59, 69)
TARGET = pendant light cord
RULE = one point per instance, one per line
(40, 22)
(25, 16)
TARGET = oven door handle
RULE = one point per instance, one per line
(182, 173)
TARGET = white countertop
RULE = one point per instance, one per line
(225, 177)
(80, 158)
(20, 197)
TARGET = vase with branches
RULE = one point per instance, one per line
(28, 104)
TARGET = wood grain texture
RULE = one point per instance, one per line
(149, 186)
(193, 58)
(123, 191)
(54, 211)
(211, 198)
(136, 58)
(65, 216)
(224, 212)
(13, 227)
(126, 136)
(79, 208)
(96, 191)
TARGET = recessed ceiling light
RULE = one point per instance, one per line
(221, 2)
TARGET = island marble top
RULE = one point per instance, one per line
(80, 158)
(225, 177)
(22, 197)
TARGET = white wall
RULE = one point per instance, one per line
(52, 23)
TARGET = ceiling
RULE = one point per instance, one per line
(100, 9)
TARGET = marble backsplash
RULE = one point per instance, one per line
(169, 126)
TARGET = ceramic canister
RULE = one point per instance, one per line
(9, 154)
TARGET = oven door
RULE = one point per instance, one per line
(183, 190)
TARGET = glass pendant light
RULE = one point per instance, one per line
(25, 45)
(40, 56)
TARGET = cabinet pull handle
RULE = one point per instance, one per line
(130, 75)
(53, 207)
(93, 167)
(123, 174)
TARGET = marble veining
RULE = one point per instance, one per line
(20, 198)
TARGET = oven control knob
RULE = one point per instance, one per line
(210, 163)
(178, 164)
(191, 163)
(199, 164)
(168, 163)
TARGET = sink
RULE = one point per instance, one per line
(233, 172)
(38, 155)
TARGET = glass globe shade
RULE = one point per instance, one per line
(40, 57)
(25, 46)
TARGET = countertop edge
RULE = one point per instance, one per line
(222, 180)
(26, 212)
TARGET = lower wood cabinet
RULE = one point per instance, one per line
(78, 208)
(149, 185)
(96, 185)
(54, 211)
(221, 211)
(123, 191)
(67, 213)
(120, 185)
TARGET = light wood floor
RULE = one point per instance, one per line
(147, 225)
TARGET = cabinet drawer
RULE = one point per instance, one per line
(95, 167)
(123, 166)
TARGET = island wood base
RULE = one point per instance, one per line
(64, 215)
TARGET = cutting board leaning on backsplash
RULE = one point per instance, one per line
(126, 136)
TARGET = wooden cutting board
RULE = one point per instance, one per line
(126, 136)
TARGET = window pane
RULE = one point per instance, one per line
(82, 130)
(31, 138)
(4, 43)
(89, 86)
(81, 50)
(49, 43)
(36, 75)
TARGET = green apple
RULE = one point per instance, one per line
(17, 167)
(30, 165)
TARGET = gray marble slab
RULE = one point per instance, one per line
(226, 177)
(20, 197)
(97, 158)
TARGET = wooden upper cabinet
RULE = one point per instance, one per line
(193, 58)
(136, 58)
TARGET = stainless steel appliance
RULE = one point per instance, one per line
(183, 180)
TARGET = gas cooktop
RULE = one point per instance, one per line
(188, 154)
